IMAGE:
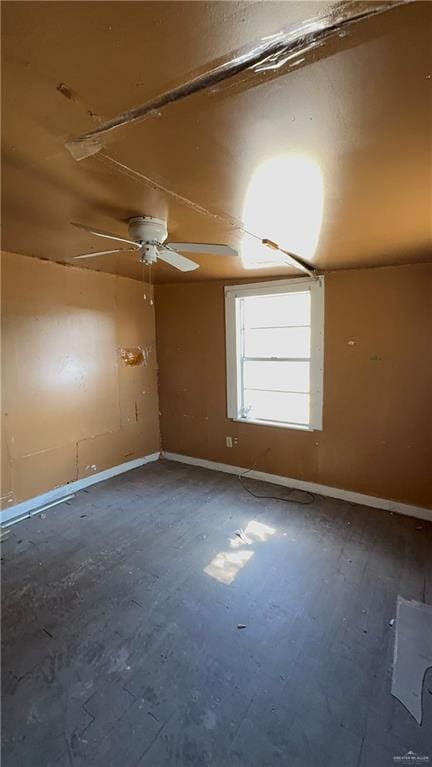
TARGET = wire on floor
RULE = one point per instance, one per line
(308, 497)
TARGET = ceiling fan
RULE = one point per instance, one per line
(147, 235)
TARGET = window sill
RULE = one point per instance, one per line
(277, 424)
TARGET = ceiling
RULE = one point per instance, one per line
(330, 156)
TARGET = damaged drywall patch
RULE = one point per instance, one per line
(135, 355)
(267, 55)
(412, 653)
(132, 356)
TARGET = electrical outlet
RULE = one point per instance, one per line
(235, 441)
(228, 441)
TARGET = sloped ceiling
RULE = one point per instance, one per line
(330, 157)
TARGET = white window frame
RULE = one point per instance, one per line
(233, 362)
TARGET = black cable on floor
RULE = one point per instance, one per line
(310, 499)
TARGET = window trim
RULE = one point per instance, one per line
(232, 335)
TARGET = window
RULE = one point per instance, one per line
(274, 341)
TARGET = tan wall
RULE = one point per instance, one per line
(70, 405)
(377, 392)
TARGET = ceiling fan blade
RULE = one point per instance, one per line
(101, 253)
(212, 249)
(175, 259)
(109, 235)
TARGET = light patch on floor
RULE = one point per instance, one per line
(226, 564)
(259, 531)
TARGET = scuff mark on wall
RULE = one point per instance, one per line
(7, 498)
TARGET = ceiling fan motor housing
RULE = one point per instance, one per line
(149, 232)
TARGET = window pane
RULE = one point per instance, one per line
(277, 310)
(277, 406)
(277, 342)
(277, 376)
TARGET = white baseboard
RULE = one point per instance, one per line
(311, 487)
(24, 510)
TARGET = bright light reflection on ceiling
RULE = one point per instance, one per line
(283, 203)
(226, 564)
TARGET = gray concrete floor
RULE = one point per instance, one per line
(121, 641)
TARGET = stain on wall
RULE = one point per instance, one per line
(134, 356)
(70, 407)
(377, 435)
